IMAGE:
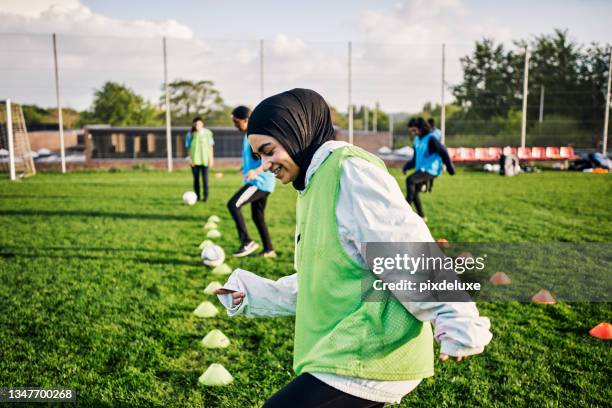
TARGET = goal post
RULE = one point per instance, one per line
(15, 153)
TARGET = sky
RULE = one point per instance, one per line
(396, 45)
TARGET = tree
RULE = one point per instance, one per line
(490, 81)
(117, 105)
(189, 99)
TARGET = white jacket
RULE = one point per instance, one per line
(370, 208)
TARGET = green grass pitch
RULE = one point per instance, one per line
(100, 273)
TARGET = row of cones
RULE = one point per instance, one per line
(215, 374)
(543, 297)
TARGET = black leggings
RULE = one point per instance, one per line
(307, 391)
(414, 182)
(257, 198)
(196, 180)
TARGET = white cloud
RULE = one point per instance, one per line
(33, 8)
(69, 17)
(283, 46)
(400, 63)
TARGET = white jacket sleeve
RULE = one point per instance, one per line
(263, 297)
(372, 208)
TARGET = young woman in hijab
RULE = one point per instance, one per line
(347, 352)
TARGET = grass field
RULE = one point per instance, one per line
(100, 273)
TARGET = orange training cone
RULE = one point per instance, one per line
(500, 278)
(602, 331)
(442, 243)
(543, 297)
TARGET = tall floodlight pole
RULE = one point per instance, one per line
(525, 85)
(442, 103)
(60, 117)
(9, 134)
(350, 92)
(261, 69)
(375, 117)
(390, 131)
(604, 148)
(541, 104)
(168, 118)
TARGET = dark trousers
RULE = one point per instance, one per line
(307, 391)
(257, 198)
(414, 183)
(196, 170)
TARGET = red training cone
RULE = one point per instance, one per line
(543, 297)
(602, 331)
(500, 278)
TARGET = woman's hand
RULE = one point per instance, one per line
(251, 175)
(237, 297)
(444, 357)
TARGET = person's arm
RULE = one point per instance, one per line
(409, 164)
(435, 146)
(372, 208)
(253, 173)
(211, 152)
(251, 295)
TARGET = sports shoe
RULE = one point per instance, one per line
(246, 249)
(267, 254)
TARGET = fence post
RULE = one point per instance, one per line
(391, 131)
(525, 85)
(9, 134)
(168, 117)
(60, 116)
(604, 148)
(375, 117)
(350, 91)
(541, 103)
(443, 104)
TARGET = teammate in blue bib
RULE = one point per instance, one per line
(429, 155)
(258, 185)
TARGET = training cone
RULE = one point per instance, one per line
(212, 286)
(214, 218)
(543, 297)
(216, 374)
(219, 175)
(602, 331)
(215, 339)
(500, 278)
(206, 309)
(223, 269)
(442, 243)
(205, 243)
(214, 233)
(210, 226)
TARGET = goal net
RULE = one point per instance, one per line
(15, 153)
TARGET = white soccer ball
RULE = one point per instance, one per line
(213, 255)
(190, 198)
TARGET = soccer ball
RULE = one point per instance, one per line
(213, 255)
(190, 198)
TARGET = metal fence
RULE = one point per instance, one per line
(368, 84)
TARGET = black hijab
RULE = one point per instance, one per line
(301, 122)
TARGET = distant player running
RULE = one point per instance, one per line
(429, 154)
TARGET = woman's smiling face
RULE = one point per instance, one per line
(274, 157)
